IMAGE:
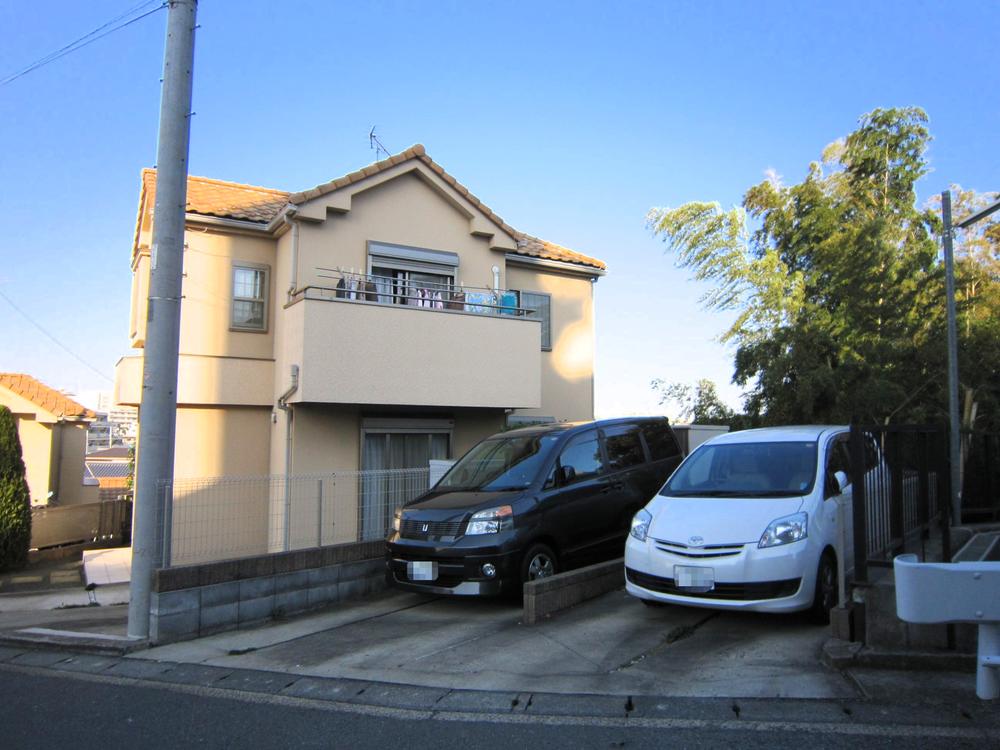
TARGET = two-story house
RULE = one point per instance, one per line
(376, 321)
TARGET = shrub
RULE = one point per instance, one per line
(15, 505)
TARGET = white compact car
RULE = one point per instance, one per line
(748, 521)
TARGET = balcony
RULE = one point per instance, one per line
(390, 350)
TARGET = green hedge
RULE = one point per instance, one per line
(15, 505)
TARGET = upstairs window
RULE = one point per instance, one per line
(540, 306)
(416, 276)
(249, 311)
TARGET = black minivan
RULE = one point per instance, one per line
(527, 503)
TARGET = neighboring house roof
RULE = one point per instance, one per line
(108, 470)
(41, 395)
(231, 200)
(109, 454)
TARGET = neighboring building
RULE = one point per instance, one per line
(116, 428)
(53, 432)
(109, 469)
(395, 316)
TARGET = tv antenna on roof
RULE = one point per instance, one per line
(376, 144)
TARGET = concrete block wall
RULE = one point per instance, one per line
(562, 591)
(884, 630)
(199, 600)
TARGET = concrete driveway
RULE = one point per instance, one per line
(610, 645)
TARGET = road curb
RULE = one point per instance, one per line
(840, 654)
(72, 643)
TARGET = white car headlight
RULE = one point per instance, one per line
(491, 520)
(785, 530)
(640, 524)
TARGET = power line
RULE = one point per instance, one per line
(89, 38)
(54, 339)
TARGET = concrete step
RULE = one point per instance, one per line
(982, 546)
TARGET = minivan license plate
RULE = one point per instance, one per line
(693, 578)
(422, 571)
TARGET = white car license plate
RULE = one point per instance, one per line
(694, 578)
(422, 571)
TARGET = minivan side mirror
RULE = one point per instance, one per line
(835, 483)
(565, 475)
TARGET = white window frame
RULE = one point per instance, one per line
(243, 266)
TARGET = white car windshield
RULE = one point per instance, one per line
(746, 470)
(499, 464)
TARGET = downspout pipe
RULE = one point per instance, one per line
(283, 405)
(293, 280)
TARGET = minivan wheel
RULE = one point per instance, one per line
(825, 598)
(539, 562)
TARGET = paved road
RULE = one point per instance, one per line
(45, 709)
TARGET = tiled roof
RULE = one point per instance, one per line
(250, 203)
(108, 469)
(109, 454)
(41, 395)
(229, 200)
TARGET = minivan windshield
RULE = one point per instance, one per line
(499, 464)
(746, 470)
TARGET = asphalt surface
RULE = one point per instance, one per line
(43, 708)
(403, 668)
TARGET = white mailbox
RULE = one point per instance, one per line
(955, 592)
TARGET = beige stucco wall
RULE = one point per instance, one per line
(203, 381)
(140, 294)
(567, 372)
(366, 353)
(472, 425)
(221, 495)
(403, 211)
(73, 449)
(325, 439)
(208, 278)
(36, 450)
(214, 442)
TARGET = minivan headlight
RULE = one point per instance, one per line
(397, 519)
(491, 520)
(785, 530)
(640, 524)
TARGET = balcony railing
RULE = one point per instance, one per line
(422, 294)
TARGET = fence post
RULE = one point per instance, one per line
(897, 525)
(924, 503)
(167, 506)
(944, 508)
(859, 502)
(319, 512)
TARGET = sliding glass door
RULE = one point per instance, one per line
(386, 451)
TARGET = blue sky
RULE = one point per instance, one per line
(570, 120)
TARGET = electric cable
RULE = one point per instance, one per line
(88, 38)
(53, 338)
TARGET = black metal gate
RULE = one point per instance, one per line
(900, 480)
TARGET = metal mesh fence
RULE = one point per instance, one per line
(223, 518)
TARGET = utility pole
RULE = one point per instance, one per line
(158, 411)
(953, 434)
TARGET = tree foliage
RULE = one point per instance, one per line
(15, 506)
(700, 404)
(838, 284)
